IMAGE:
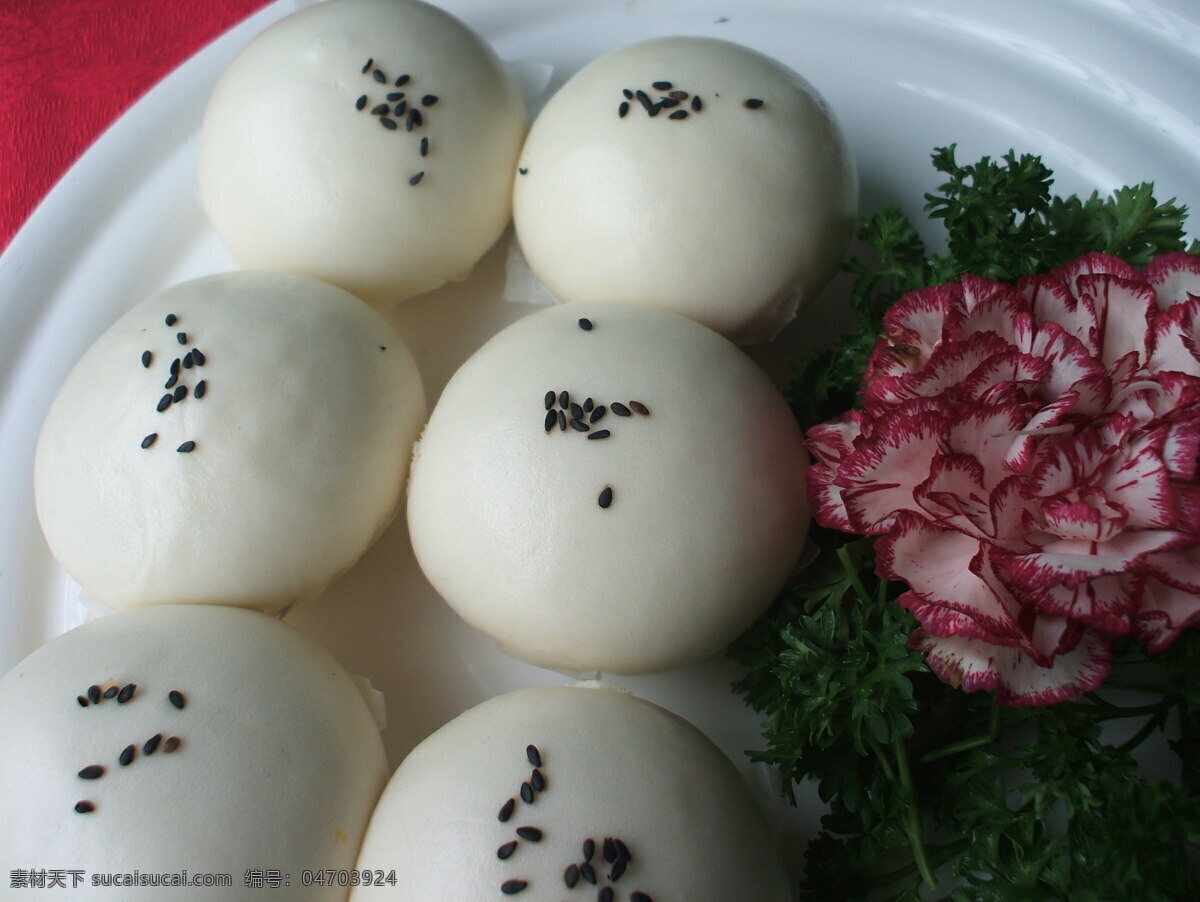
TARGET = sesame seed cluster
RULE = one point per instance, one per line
(123, 695)
(398, 106)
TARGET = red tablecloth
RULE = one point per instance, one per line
(70, 68)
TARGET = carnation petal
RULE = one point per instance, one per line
(919, 317)
(1174, 277)
(1165, 612)
(1053, 302)
(879, 477)
(943, 568)
(975, 665)
(834, 440)
(1106, 603)
(1069, 562)
(1124, 308)
(1173, 335)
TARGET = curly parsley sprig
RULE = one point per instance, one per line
(924, 782)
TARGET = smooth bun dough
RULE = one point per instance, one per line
(731, 215)
(273, 760)
(295, 176)
(707, 512)
(615, 768)
(281, 459)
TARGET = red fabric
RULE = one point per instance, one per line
(70, 68)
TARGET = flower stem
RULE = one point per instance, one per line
(912, 824)
(852, 574)
(971, 742)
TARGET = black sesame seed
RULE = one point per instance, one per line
(93, 694)
(606, 895)
(506, 850)
(588, 872)
(401, 109)
(361, 102)
(526, 793)
(585, 324)
(146, 358)
(417, 178)
(662, 86)
(187, 360)
(589, 849)
(175, 367)
(564, 400)
(533, 834)
(381, 109)
(622, 850)
(639, 407)
(127, 755)
(171, 744)
(172, 380)
(175, 697)
(523, 171)
(606, 496)
(506, 810)
(623, 109)
(603, 433)
(187, 447)
(588, 405)
(618, 869)
(92, 772)
(668, 103)
(83, 702)
(655, 110)
(200, 389)
(424, 147)
(402, 81)
(111, 691)
(609, 850)
(181, 337)
(537, 780)
(171, 319)
(753, 103)
(533, 755)
(562, 421)
(697, 104)
(512, 887)
(429, 100)
(389, 124)
(571, 876)
(644, 100)
(180, 393)
(579, 425)
(551, 397)
(149, 440)
(636, 896)
(379, 76)
(367, 65)
(551, 420)
(151, 745)
(628, 93)
(619, 409)
(396, 95)
(678, 95)
(85, 807)
(414, 120)
(576, 411)
(679, 114)
(598, 414)
(126, 693)
(198, 357)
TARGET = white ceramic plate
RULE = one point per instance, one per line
(1103, 89)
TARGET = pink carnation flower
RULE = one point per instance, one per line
(1028, 455)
